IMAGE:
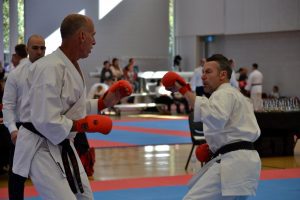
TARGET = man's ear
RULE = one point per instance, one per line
(223, 75)
(82, 36)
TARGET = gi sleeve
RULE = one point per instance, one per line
(10, 100)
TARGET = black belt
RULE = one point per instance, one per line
(18, 124)
(254, 84)
(66, 152)
(243, 145)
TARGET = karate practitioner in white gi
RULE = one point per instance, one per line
(254, 85)
(230, 128)
(55, 109)
(13, 91)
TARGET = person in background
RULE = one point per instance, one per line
(242, 80)
(254, 86)
(116, 69)
(2, 71)
(179, 100)
(233, 80)
(230, 129)
(163, 97)
(13, 91)
(177, 64)
(106, 74)
(275, 92)
(196, 81)
(19, 56)
(131, 75)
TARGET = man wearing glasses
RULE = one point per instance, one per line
(14, 88)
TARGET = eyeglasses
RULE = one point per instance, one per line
(38, 47)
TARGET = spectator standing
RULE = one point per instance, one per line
(254, 85)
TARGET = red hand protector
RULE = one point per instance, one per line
(169, 80)
(122, 86)
(93, 123)
(203, 154)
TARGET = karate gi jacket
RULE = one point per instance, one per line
(228, 117)
(57, 95)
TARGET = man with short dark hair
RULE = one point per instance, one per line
(19, 56)
(230, 128)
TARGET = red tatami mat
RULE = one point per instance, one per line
(159, 181)
(103, 143)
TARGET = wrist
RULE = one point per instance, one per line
(184, 89)
(77, 126)
(101, 104)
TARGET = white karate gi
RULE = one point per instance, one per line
(254, 85)
(227, 117)
(55, 98)
(233, 81)
(196, 80)
(12, 96)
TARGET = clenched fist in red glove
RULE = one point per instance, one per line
(203, 153)
(169, 80)
(114, 94)
(93, 123)
(123, 87)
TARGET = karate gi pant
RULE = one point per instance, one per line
(49, 181)
(257, 101)
(209, 187)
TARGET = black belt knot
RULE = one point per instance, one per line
(245, 145)
(66, 152)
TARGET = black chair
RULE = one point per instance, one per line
(197, 136)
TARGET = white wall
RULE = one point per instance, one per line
(257, 16)
(135, 28)
(262, 31)
(278, 56)
(199, 17)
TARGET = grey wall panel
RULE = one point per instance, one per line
(134, 28)
(187, 49)
(251, 16)
(234, 16)
(276, 53)
(194, 17)
(288, 15)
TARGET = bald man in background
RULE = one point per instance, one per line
(13, 91)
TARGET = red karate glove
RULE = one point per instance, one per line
(93, 123)
(123, 87)
(169, 80)
(203, 153)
